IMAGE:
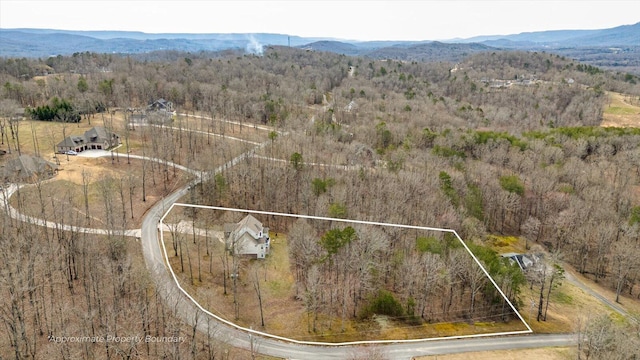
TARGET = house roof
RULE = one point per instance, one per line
(96, 134)
(161, 103)
(72, 141)
(26, 166)
(524, 261)
(249, 225)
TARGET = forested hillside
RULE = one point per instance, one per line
(500, 143)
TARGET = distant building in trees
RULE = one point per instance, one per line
(160, 111)
(248, 237)
(96, 138)
(161, 105)
(351, 106)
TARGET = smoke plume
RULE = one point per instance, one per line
(254, 47)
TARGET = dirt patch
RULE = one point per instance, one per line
(71, 168)
(635, 194)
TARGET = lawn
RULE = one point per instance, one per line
(622, 111)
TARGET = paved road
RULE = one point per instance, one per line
(607, 302)
(251, 125)
(203, 132)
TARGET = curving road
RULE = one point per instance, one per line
(610, 303)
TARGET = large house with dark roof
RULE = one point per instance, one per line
(247, 237)
(96, 138)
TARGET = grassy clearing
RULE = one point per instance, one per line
(505, 244)
(622, 111)
(569, 306)
(631, 304)
(47, 134)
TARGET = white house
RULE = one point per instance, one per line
(248, 237)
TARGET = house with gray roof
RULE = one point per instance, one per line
(248, 237)
(161, 105)
(96, 138)
(524, 261)
(27, 169)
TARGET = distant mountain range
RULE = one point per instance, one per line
(625, 35)
(48, 42)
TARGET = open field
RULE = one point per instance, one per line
(622, 111)
(44, 135)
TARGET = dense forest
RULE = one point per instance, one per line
(501, 143)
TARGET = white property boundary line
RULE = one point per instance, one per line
(276, 337)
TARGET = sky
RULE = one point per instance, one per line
(347, 19)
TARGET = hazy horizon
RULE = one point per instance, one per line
(346, 20)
